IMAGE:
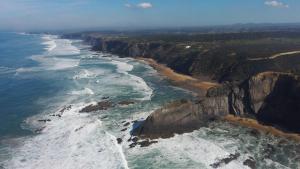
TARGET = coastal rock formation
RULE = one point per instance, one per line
(231, 59)
(182, 116)
(103, 105)
(271, 97)
(281, 99)
(213, 57)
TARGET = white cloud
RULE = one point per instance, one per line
(144, 5)
(276, 4)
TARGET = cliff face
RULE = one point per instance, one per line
(276, 99)
(210, 60)
(272, 98)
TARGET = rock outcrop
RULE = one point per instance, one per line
(276, 99)
(271, 97)
(182, 116)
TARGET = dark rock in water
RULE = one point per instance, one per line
(181, 116)
(104, 117)
(254, 133)
(124, 129)
(125, 103)
(126, 124)
(119, 140)
(250, 163)
(55, 115)
(104, 105)
(135, 139)
(66, 108)
(44, 120)
(78, 128)
(39, 130)
(226, 160)
(123, 122)
(146, 143)
(105, 98)
(102, 149)
(132, 145)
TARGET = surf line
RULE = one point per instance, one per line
(125, 163)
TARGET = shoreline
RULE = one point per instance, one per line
(184, 81)
(254, 124)
(200, 87)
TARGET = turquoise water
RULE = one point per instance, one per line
(41, 75)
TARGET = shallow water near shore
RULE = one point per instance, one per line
(53, 79)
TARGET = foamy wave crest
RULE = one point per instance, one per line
(74, 140)
(55, 63)
(49, 41)
(122, 67)
(141, 86)
(85, 91)
(92, 73)
(6, 70)
(57, 46)
(138, 83)
(23, 33)
(189, 149)
(56, 57)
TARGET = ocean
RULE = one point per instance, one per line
(44, 83)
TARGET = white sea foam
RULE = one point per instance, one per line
(55, 63)
(90, 73)
(85, 91)
(49, 42)
(138, 83)
(78, 140)
(74, 140)
(56, 57)
(188, 148)
(57, 46)
(122, 67)
(6, 70)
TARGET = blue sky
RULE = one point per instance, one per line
(86, 14)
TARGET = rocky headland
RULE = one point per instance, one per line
(226, 72)
(264, 100)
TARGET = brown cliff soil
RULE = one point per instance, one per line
(252, 123)
(182, 80)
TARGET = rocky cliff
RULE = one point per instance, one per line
(270, 97)
(215, 57)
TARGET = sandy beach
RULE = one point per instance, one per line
(182, 80)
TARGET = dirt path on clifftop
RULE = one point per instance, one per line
(275, 56)
(182, 80)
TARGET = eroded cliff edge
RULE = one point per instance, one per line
(210, 57)
(246, 89)
(270, 97)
